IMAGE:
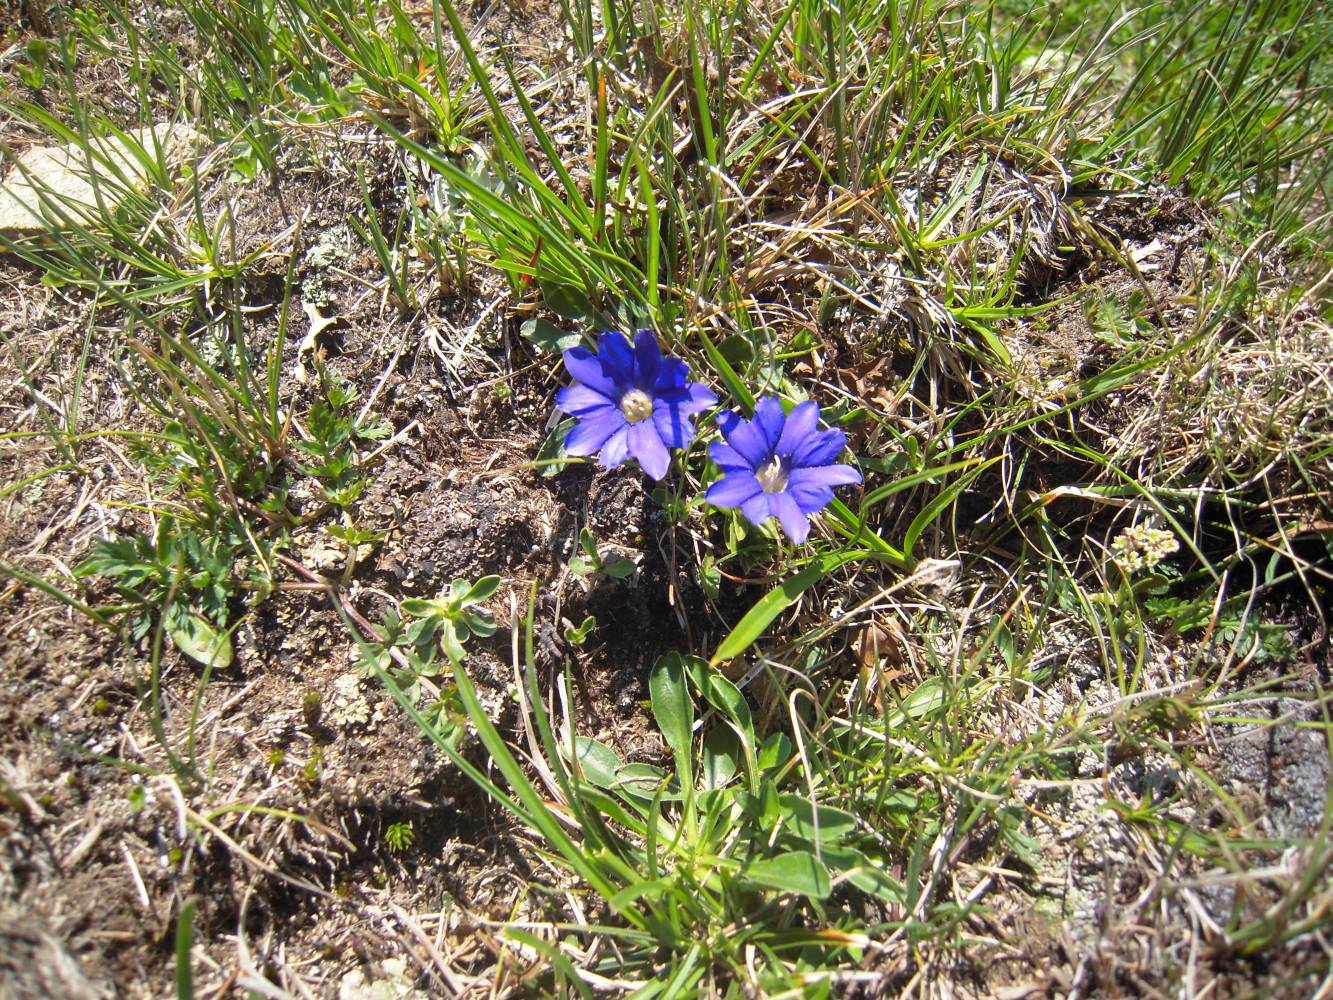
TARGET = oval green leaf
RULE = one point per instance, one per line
(796, 871)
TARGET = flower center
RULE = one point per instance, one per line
(772, 477)
(637, 405)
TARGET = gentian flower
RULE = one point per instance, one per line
(630, 402)
(778, 465)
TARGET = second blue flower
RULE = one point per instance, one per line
(779, 465)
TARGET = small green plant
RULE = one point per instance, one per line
(390, 249)
(185, 576)
(1121, 326)
(592, 561)
(32, 70)
(578, 635)
(399, 837)
(334, 432)
(356, 539)
(454, 617)
(409, 648)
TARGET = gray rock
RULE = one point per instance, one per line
(1286, 764)
(48, 182)
(36, 965)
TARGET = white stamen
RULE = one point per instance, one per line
(637, 405)
(773, 476)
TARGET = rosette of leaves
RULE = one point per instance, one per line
(334, 433)
(431, 626)
(453, 617)
(185, 576)
(593, 561)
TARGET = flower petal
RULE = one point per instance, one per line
(593, 430)
(754, 439)
(617, 357)
(647, 358)
(793, 519)
(801, 422)
(646, 445)
(811, 499)
(733, 490)
(675, 427)
(578, 399)
(673, 374)
(616, 449)
(589, 369)
(824, 475)
(693, 397)
(757, 509)
(819, 448)
(728, 458)
(812, 489)
(770, 417)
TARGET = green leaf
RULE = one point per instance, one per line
(768, 607)
(565, 300)
(598, 761)
(644, 781)
(578, 636)
(619, 569)
(672, 708)
(863, 873)
(551, 455)
(775, 752)
(482, 589)
(198, 639)
(721, 757)
(420, 607)
(184, 942)
(816, 824)
(737, 350)
(548, 337)
(726, 697)
(796, 871)
(722, 694)
(480, 623)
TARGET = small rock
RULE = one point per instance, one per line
(48, 181)
(34, 963)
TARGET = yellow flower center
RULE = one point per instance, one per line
(772, 477)
(637, 405)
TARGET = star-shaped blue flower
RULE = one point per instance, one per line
(778, 465)
(630, 402)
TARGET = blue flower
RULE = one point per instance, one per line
(778, 465)
(630, 402)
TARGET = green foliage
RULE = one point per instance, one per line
(399, 837)
(1121, 326)
(592, 561)
(578, 635)
(804, 199)
(698, 853)
(408, 649)
(184, 942)
(335, 430)
(453, 617)
(187, 578)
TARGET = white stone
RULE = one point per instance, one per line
(47, 181)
